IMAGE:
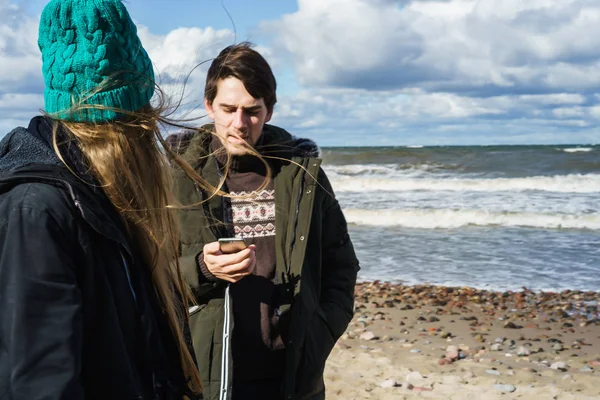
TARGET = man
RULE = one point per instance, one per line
(269, 315)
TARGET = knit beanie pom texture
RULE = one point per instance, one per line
(92, 55)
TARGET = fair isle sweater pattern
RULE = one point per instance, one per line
(253, 213)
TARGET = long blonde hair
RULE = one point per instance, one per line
(125, 158)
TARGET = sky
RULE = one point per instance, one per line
(365, 72)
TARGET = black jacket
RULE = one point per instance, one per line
(78, 315)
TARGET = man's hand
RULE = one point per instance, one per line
(229, 267)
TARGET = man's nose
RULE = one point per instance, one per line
(239, 119)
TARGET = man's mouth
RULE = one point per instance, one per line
(237, 136)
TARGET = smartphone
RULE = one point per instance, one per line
(231, 245)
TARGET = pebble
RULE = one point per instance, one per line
(415, 351)
(444, 361)
(586, 369)
(505, 388)
(368, 335)
(496, 347)
(557, 347)
(388, 383)
(523, 351)
(414, 376)
(492, 372)
(452, 352)
(560, 366)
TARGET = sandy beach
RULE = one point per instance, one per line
(412, 342)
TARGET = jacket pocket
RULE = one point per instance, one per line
(318, 343)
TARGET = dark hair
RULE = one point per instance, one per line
(246, 64)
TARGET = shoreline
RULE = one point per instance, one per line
(426, 341)
(495, 290)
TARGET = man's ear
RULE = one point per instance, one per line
(269, 115)
(209, 109)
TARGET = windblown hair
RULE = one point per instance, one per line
(125, 157)
(241, 61)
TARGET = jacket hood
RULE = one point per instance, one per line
(282, 139)
(273, 141)
(26, 155)
(21, 148)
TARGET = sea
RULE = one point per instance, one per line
(489, 217)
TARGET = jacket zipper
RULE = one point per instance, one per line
(296, 215)
(225, 384)
(155, 386)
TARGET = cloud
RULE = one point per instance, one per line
(20, 60)
(381, 72)
(474, 46)
(180, 57)
(334, 116)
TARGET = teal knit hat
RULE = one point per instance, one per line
(84, 45)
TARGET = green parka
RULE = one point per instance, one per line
(315, 262)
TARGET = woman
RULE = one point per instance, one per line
(92, 304)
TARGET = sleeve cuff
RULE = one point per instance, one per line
(205, 275)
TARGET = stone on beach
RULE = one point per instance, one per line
(527, 326)
(523, 351)
(452, 353)
(505, 388)
(560, 366)
(389, 383)
(368, 335)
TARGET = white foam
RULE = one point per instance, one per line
(362, 169)
(449, 219)
(576, 183)
(383, 170)
(577, 150)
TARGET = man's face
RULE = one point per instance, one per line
(239, 118)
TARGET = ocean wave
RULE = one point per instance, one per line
(589, 183)
(577, 150)
(388, 170)
(449, 219)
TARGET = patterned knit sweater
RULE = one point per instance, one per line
(258, 350)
